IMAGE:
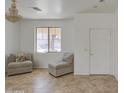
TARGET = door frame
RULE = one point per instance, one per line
(110, 44)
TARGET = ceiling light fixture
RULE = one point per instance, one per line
(13, 15)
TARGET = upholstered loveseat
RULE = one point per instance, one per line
(64, 66)
(19, 63)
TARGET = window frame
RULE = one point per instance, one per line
(48, 40)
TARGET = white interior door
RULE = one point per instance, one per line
(99, 51)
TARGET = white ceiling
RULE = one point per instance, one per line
(57, 9)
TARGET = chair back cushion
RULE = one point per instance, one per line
(20, 57)
(28, 57)
(12, 58)
(68, 57)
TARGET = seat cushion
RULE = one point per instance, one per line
(19, 64)
(59, 65)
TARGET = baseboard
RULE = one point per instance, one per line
(75, 73)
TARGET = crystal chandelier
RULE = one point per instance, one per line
(13, 15)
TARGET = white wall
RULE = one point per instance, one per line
(28, 29)
(75, 38)
(82, 24)
(12, 35)
(42, 60)
(116, 47)
(12, 38)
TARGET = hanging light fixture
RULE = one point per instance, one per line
(13, 15)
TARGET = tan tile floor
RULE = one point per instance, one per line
(39, 81)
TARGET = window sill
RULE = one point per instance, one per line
(48, 52)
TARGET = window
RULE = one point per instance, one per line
(48, 39)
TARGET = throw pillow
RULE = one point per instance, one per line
(20, 57)
(12, 58)
(27, 56)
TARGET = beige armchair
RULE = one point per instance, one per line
(66, 65)
(19, 64)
